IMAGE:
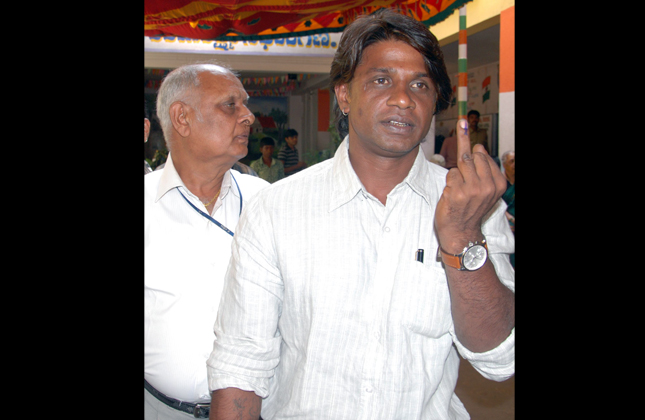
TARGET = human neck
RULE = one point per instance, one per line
(379, 175)
(204, 179)
(266, 161)
(510, 177)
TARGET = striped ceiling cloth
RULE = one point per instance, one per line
(251, 20)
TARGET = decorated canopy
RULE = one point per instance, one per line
(238, 20)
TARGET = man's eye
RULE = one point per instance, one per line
(419, 85)
(380, 81)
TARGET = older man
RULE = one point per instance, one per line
(146, 132)
(353, 285)
(191, 209)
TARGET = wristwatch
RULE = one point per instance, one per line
(471, 258)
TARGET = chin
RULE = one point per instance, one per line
(400, 146)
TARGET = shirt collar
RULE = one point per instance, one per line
(346, 184)
(170, 179)
(419, 175)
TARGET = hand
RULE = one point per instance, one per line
(472, 188)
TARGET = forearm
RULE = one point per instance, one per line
(483, 309)
(235, 404)
(300, 165)
(289, 169)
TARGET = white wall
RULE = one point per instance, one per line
(506, 122)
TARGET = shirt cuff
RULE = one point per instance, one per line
(497, 364)
(242, 363)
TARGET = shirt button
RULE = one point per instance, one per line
(368, 389)
(386, 229)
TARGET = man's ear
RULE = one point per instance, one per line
(146, 129)
(178, 117)
(342, 96)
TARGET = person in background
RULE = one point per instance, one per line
(508, 168)
(146, 132)
(267, 167)
(159, 159)
(477, 135)
(288, 153)
(438, 159)
(244, 168)
(449, 152)
(191, 210)
(335, 305)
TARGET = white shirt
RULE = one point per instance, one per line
(185, 261)
(325, 311)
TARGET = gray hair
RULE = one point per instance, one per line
(182, 84)
(438, 159)
(505, 155)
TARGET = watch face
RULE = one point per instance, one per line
(475, 257)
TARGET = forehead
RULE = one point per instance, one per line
(391, 55)
(221, 85)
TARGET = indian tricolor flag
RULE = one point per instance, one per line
(486, 89)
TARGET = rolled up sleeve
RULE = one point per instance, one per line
(247, 342)
(497, 364)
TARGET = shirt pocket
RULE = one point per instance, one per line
(426, 299)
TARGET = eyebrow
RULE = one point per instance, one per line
(387, 70)
(235, 96)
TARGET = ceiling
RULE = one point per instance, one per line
(270, 19)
